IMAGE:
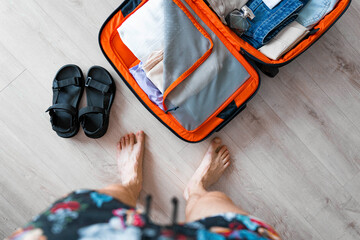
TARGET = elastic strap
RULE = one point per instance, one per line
(61, 106)
(96, 84)
(91, 109)
(65, 82)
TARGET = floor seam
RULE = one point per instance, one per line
(7, 85)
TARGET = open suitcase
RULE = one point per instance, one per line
(209, 72)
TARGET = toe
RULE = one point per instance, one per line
(227, 164)
(225, 153)
(122, 142)
(140, 136)
(132, 139)
(215, 144)
(226, 159)
(222, 150)
(118, 146)
(127, 139)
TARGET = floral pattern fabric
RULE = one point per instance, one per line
(89, 215)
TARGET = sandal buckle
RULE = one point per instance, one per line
(87, 82)
(56, 85)
(77, 82)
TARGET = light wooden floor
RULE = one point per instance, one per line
(296, 148)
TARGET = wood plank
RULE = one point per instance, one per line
(315, 119)
(334, 65)
(289, 164)
(353, 186)
(350, 18)
(10, 68)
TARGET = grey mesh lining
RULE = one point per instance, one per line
(183, 43)
(209, 86)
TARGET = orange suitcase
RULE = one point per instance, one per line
(210, 73)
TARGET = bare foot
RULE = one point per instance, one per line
(130, 153)
(213, 165)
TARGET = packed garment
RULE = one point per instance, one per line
(284, 41)
(267, 23)
(272, 28)
(151, 30)
(146, 85)
(154, 69)
(290, 36)
(271, 3)
(314, 11)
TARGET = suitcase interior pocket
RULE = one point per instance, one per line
(206, 89)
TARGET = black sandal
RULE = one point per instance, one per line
(68, 87)
(100, 93)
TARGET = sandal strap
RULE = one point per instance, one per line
(91, 109)
(66, 82)
(60, 130)
(61, 106)
(96, 84)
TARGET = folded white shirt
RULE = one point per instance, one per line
(143, 32)
(284, 41)
(271, 3)
(224, 7)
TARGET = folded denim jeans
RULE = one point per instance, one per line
(314, 11)
(269, 22)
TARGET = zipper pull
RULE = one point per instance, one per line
(172, 109)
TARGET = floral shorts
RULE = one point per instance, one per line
(89, 215)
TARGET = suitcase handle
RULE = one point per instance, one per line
(231, 117)
(269, 71)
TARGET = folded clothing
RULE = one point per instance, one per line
(223, 7)
(314, 11)
(271, 3)
(146, 85)
(154, 69)
(143, 32)
(284, 41)
(156, 76)
(269, 22)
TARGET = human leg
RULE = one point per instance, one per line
(130, 152)
(200, 202)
